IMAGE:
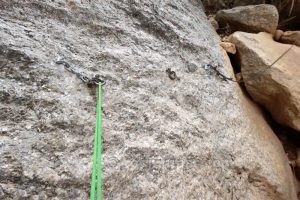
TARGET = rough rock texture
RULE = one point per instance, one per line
(276, 87)
(289, 10)
(213, 21)
(162, 139)
(277, 35)
(253, 19)
(291, 37)
(288, 37)
(228, 47)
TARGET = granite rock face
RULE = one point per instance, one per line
(192, 138)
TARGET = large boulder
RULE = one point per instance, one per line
(288, 10)
(253, 18)
(277, 86)
(193, 138)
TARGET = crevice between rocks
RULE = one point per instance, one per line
(289, 138)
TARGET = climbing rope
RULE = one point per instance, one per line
(96, 184)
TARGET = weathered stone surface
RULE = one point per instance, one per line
(278, 34)
(228, 47)
(290, 37)
(238, 76)
(288, 9)
(276, 87)
(162, 139)
(213, 21)
(253, 18)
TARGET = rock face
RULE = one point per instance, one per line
(290, 37)
(276, 87)
(193, 138)
(253, 18)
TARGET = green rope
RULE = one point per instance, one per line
(97, 165)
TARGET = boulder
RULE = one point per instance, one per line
(290, 37)
(276, 87)
(288, 9)
(193, 138)
(253, 18)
